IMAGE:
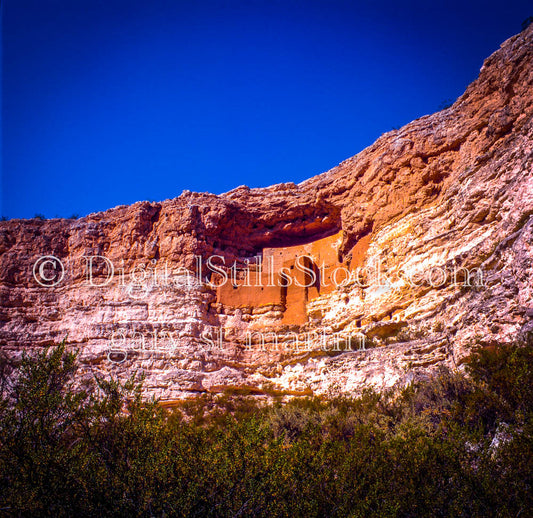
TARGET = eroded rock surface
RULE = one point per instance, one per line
(436, 219)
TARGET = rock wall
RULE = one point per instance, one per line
(436, 219)
(286, 277)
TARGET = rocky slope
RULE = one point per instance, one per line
(437, 217)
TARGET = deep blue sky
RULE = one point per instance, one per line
(107, 102)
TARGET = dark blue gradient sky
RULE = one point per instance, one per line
(108, 102)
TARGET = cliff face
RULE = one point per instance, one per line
(372, 273)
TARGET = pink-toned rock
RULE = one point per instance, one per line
(446, 199)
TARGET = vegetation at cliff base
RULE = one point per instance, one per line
(459, 444)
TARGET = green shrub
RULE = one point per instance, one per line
(527, 22)
(454, 445)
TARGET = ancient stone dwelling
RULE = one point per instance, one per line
(292, 276)
(451, 191)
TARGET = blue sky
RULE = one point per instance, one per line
(108, 102)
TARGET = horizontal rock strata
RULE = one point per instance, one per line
(433, 222)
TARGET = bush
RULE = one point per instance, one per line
(427, 450)
(527, 22)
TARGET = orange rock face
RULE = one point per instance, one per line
(433, 223)
(288, 277)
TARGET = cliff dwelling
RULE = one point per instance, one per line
(292, 276)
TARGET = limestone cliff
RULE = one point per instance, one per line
(411, 251)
